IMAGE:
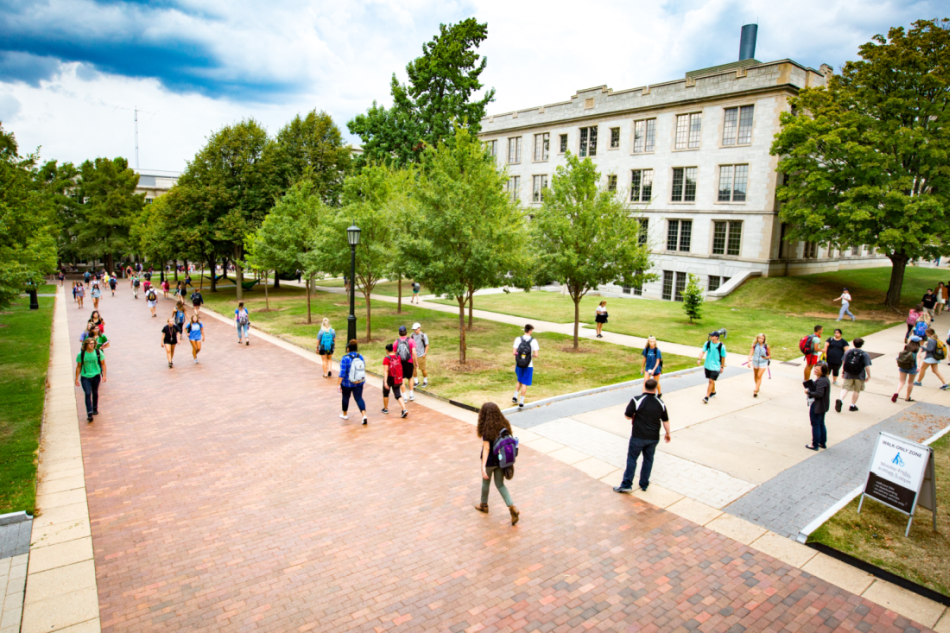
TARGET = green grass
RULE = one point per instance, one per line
(388, 288)
(877, 534)
(489, 372)
(24, 348)
(784, 308)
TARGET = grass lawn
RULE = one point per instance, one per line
(784, 308)
(24, 347)
(489, 372)
(388, 288)
(877, 534)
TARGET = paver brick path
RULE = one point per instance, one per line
(229, 496)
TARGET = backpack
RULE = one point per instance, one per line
(905, 360)
(523, 359)
(151, 295)
(395, 369)
(357, 373)
(136, 282)
(920, 328)
(242, 318)
(805, 345)
(940, 351)
(326, 339)
(853, 362)
(82, 358)
(911, 318)
(195, 297)
(402, 348)
(506, 448)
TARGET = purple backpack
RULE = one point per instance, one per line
(506, 448)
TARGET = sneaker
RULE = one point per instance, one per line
(240, 341)
(852, 408)
(329, 374)
(838, 404)
(644, 488)
(247, 342)
(343, 416)
(911, 400)
(95, 413)
(623, 490)
(417, 381)
(364, 421)
(425, 382)
(386, 411)
(945, 387)
(811, 447)
(917, 384)
(706, 400)
(405, 412)
(169, 365)
(514, 401)
(822, 446)
(894, 398)
(88, 418)
(713, 394)
(412, 398)
(521, 405)
(196, 361)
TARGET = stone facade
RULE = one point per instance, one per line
(154, 183)
(713, 151)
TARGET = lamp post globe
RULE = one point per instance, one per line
(353, 238)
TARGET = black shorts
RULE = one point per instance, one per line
(712, 375)
(395, 389)
(600, 318)
(835, 368)
(407, 369)
(325, 352)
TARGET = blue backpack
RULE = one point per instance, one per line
(326, 339)
(506, 448)
(920, 328)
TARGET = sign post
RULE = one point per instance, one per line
(902, 477)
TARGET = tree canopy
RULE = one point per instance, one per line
(437, 99)
(866, 158)
(312, 148)
(109, 207)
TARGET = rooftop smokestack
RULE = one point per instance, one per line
(747, 41)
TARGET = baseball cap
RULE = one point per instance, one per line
(402, 329)
(416, 326)
(916, 338)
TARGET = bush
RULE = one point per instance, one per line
(693, 298)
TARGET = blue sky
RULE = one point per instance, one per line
(71, 71)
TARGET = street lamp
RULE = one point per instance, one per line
(353, 237)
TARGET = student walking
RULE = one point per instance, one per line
(713, 359)
(94, 333)
(406, 350)
(392, 379)
(326, 343)
(80, 294)
(152, 298)
(835, 348)
(135, 286)
(112, 283)
(810, 346)
(759, 358)
(526, 349)
(600, 318)
(912, 316)
(62, 278)
(75, 297)
(929, 301)
(416, 287)
(169, 341)
(165, 288)
(907, 367)
(96, 320)
(845, 300)
(196, 336)
(242, 323)
(86, 277)
(90, 371)
(196, 301)
(820, 393)
(178, 315)
(646, 413)
(934, 351)
(421, 341)
(352, 379)
(96, 294)
(492, 427)
(856, 371)
(941, 292)
(652, 364)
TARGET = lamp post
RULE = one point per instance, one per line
(353, 237)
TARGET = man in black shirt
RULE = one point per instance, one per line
(929, 301)
(647, 413)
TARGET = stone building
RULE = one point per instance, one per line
(692, 157)
(155, 182)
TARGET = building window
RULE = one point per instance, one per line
(588, 141)
(149, 200)
(644, 230)
(514, 150)
(855, 251)
(811, 250)
(612, 183)
(737, 126)
(514, 188)
(684, 184)
(668, 278)
(492, 147)
(538, 185)
(563, 145)
(679, 234)
(673, 285)
(641, 185)
(636, 290)
(541, 145)
(715, 282)
(733, 183)
(688, 129)
(614, 137)
(644, 136)
(727, 238)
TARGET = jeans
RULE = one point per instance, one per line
(243, 331)
(648, 448)
(90, 387)
(499, 475)
(845, 310)
(357, 391)
(819, 434)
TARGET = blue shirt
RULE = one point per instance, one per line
(715, 353)
(194, 331)
(653, 356)
(345, 363)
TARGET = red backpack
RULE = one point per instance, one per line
(395, 369)
(805, 344)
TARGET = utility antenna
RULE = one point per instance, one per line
(135, 110)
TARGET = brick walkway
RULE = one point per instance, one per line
(229, 496)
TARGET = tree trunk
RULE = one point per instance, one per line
(577, 319)
(176, 270)
(309, 284)
(276, 280)
(239, 273)
(399, 301)
(471, 301)
(461, 301)
(109, 262)
(266, 298)
(899, 265)
(224, 267)
(369, 328)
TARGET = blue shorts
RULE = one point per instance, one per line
(524, 374)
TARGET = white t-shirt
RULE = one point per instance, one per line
(601, 309)
(534, 346)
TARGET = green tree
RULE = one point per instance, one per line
(59, 182)
(865, 158)
(312, 148)
(475, 236)
(232, 181)
(27, 227)
(693, 298)
(286, 237)
(585, 235)
(375, 200)
(109, 207)
(437, 99)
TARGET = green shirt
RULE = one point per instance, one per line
(90, 364)
(102, 340)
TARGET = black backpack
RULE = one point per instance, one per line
(853, 362)
(523, 359)
(82, 358)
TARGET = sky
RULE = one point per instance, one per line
(72, 72)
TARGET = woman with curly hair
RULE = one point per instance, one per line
(491, 422)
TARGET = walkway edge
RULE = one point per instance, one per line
(61, 588)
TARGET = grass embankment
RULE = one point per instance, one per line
(877, 534)
(24, 348)
(784, 308)
(489, 372)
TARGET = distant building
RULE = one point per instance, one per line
(156, 182)
(692, 156)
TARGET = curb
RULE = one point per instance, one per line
(14, 517)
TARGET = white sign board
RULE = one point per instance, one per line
(897, 474)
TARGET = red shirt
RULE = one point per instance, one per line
(388, 361)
